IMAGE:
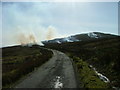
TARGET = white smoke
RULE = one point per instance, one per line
(26, 26)
(51, 33)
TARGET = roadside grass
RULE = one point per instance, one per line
(87, 76)
(18, 61)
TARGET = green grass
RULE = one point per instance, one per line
(87, 76)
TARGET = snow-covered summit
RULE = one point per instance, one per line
(80, 37)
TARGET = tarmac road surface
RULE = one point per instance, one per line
(58, 72)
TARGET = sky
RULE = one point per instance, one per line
(49, 20)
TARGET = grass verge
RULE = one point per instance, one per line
(87, 76)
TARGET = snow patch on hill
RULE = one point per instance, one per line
(101, 76)
(62, 40)
(92, 35)
(58, 41)
(70, 39)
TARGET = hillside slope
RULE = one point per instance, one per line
(18, 61)
(101, 53)
(80, 37)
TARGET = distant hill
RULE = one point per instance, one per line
(80, 37)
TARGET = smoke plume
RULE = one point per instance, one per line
(51, 33)
(27, 25)
(24, 39)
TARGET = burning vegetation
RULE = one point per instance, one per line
(27, 39)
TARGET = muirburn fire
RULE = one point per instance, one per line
(27, 40)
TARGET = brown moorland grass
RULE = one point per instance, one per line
(18, 61)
